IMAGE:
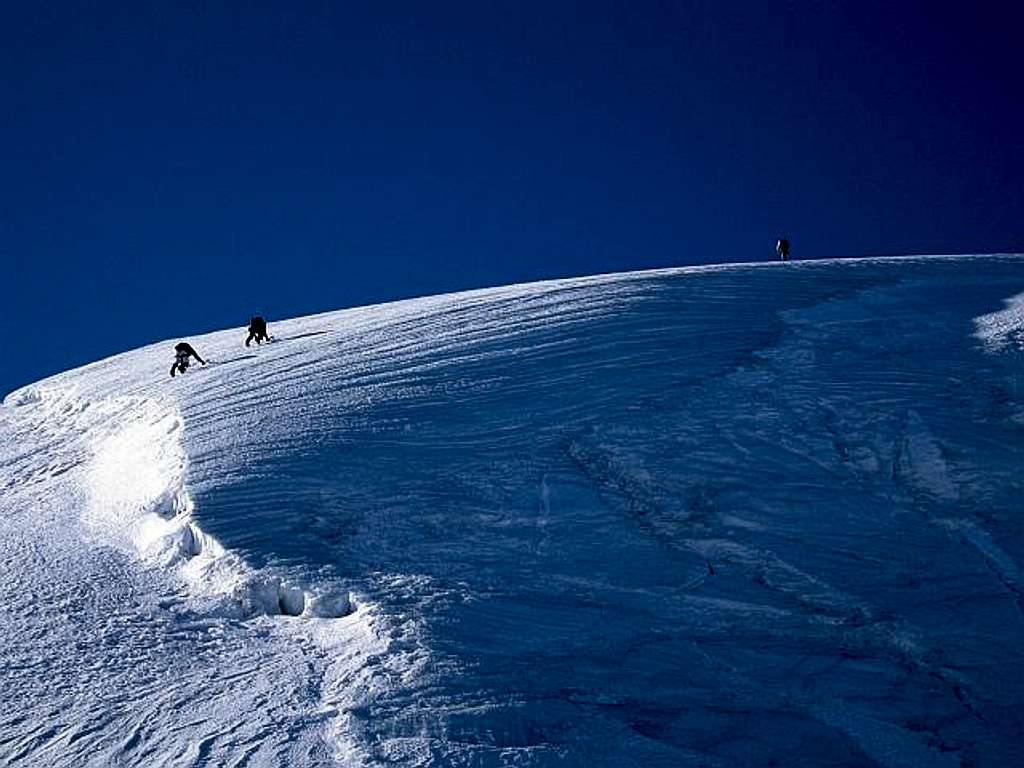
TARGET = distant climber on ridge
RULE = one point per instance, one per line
(182, 352)
(257, 330)
(782, 248)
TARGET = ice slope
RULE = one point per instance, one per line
(724, 516)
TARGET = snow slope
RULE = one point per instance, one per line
(720, 516)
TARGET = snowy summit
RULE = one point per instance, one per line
(719, 516)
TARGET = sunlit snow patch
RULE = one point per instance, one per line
(137, 493)
(1004, 328)
(139, 502)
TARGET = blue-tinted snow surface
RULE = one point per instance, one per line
(750, 515)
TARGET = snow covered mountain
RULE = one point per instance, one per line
(721, 516)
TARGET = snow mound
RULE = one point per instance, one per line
(139, 500)
(1004, 328)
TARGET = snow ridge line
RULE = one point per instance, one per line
(138, 501)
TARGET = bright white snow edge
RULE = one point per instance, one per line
(139, 500)
(1004, 328)
(136, 500)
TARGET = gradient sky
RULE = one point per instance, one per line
(171, 168)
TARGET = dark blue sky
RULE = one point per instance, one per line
(170, 168)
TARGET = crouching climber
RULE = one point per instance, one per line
(182, 352)
(257, 330)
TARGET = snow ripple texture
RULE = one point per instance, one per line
(723, 516)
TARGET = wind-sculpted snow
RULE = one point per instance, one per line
(1005, 327)
(728, 516)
